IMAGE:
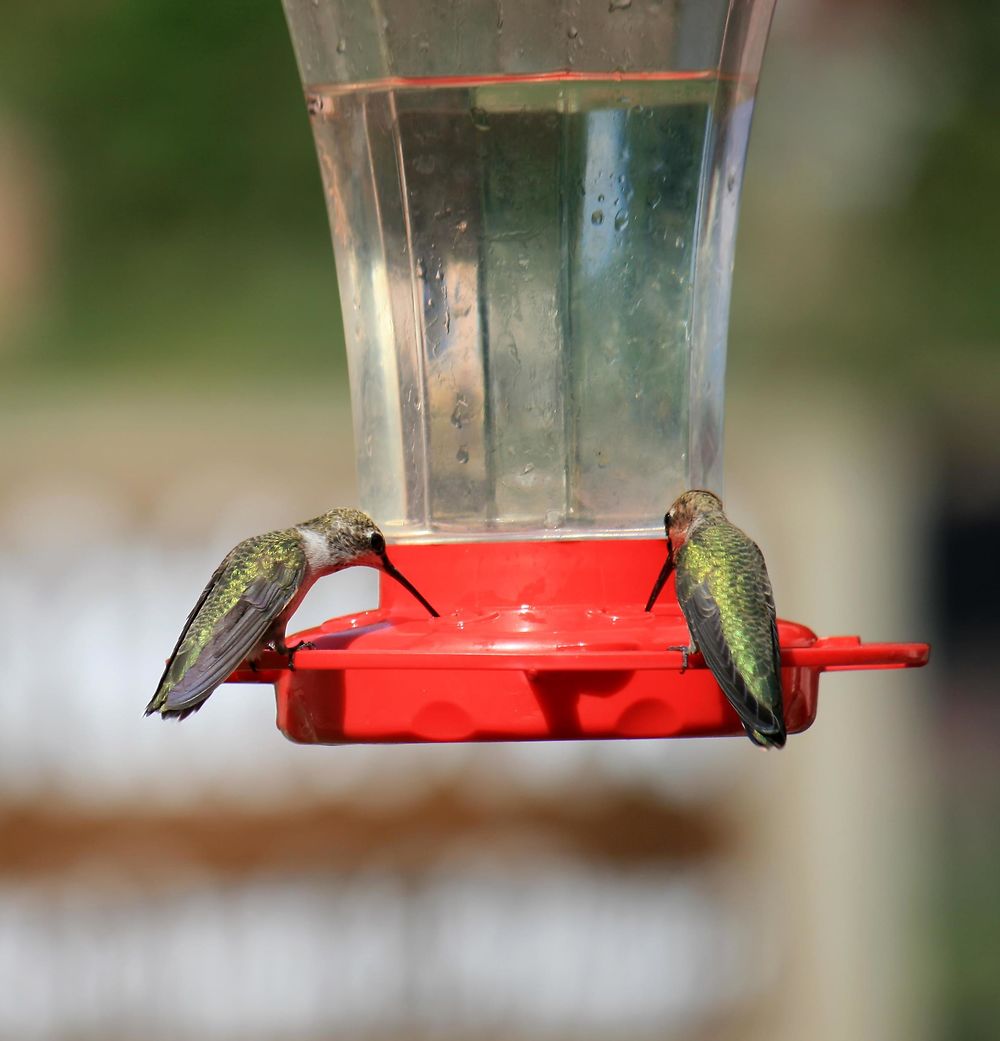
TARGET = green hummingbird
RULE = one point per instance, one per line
(725, 596)
(255, 590)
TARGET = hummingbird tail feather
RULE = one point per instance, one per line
(180, 713)
(768, 738)
(180, 707)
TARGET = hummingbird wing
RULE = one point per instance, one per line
(243, 598)
(725, 594)
(172, 660)
(777, 734)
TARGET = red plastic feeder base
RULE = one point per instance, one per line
(536, 641)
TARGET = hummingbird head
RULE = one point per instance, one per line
(342, 538)
(687, 509)
(353, 539)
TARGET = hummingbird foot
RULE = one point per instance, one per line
(302, 645)
(686, 653)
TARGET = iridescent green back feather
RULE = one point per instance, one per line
(725, 594)
(247, 592)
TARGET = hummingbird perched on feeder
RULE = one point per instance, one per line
(725, 596)
(255, 590)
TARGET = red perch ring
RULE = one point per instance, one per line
(541, 640)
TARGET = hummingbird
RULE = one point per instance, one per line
(255, 590)
(725, 596)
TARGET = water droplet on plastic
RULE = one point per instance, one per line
(600, 198)
(553, 518)
(528, 468)
(621, 219)
(341, 45)
(462, 225)
(462, 455)
(679, 242)
(619, 5)
(597, 217)
(572, 32)
(421, 270)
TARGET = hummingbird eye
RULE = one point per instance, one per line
(377, 541)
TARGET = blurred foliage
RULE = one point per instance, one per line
(949, 228)
(191, 236)
(911, 303)
(189, 212)
(163, 113)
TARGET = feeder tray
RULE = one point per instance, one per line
(542, 640)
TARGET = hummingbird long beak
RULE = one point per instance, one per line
(390, 569)
(661, 579)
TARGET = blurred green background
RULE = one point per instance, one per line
(168, 152)
(172, 377)
(165, 152)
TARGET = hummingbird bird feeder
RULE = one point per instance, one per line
(533, 209)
